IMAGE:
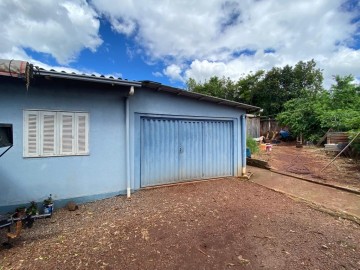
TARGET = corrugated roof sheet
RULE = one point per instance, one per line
(180, 92)
(84, 77)
(149, 84)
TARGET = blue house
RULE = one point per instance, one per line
(84, 137)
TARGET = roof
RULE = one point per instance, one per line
(180, 92)
(84, 77)
(31, 71)
(23, 69)
(150, 84)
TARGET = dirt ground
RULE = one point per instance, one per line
(308, 161)
(217, 224)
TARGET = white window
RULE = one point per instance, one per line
(53, 133)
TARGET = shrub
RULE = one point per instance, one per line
(251, 144)
(355, 146)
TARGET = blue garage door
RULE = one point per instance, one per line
(174, 150)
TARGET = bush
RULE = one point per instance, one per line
(355, 146)
(251, 144)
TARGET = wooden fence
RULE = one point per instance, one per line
(268, 125)
(253, 125)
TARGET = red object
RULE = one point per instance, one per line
(268, 147)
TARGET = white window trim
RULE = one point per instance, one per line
(57, 133)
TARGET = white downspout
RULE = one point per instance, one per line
(127, 117)
(243, 144)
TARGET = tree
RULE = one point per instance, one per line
(248, 86)
(222, 88)
(280, 85)
(315, 112)
(301, 116)
(268, 90)
(307, 77)
(342, 112)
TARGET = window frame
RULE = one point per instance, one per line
(58, 131)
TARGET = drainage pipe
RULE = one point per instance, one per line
(127, 117)
(243, 144)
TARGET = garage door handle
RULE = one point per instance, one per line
(181, 149)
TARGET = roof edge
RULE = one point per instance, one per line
(88, 78)
(181, 92)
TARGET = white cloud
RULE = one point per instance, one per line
(234, 68)
(343, 62)
(173, 72)
(59, 28)
(157, 74)
(123, 26)
(203, 38)
(195, 39)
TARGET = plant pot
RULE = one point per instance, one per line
(20, 211)
(48, 208)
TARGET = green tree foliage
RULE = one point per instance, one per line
(252, 144)
(217, 87)
(280, 85)
(248, 87)
(299, 115)
(312, 115)
(295, 95)
(342, 112)
(268, 90)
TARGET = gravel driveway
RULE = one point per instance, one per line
(218, 224)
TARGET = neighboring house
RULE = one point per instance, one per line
(82, 138)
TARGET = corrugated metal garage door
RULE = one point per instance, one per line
(174, 150)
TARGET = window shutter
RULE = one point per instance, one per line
(52, 133)
(82, 128)
(48, 121)
(67, 133)
(31, 137)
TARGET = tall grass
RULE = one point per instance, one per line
(251, 144)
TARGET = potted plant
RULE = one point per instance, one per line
(32, 209)
(48, 205)
(20, 211)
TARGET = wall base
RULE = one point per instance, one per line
(61, 203)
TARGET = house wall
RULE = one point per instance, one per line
(102, 173)
(147, 102)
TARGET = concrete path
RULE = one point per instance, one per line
(328, 199)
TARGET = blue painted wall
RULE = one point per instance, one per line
(103, 172)
(147, 102)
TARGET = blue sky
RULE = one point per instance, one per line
(171, 41)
